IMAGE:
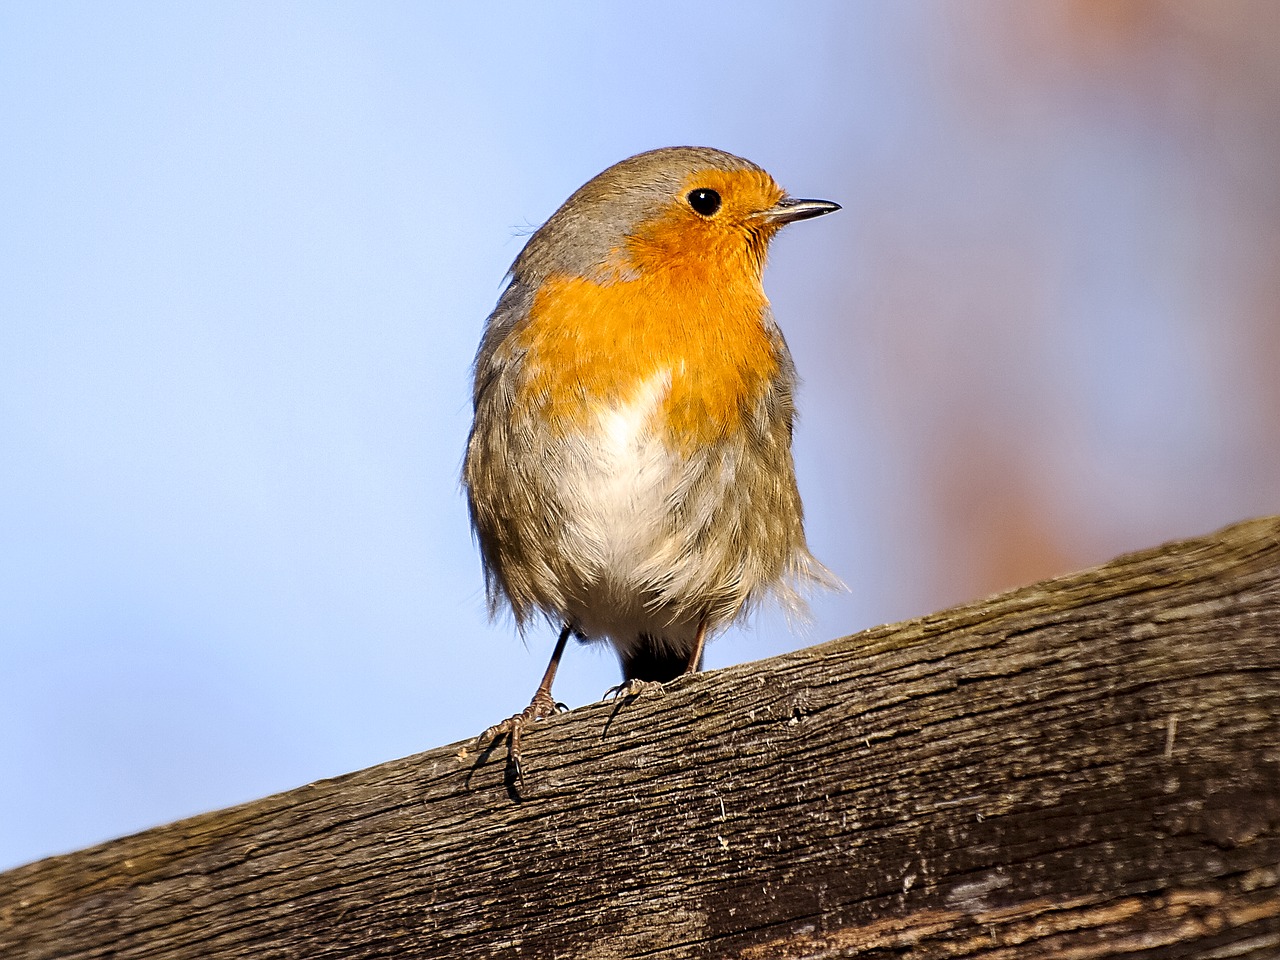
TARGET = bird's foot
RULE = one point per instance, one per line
(541, 707)
(633, 688)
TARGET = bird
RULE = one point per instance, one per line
(628, 472)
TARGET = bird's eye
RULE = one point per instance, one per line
(704, 201)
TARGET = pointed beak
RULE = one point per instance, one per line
(789, 210)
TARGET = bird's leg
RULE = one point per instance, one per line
(635, 686)
(539, 708)
(695, 655)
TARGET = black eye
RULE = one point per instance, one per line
(704, 201)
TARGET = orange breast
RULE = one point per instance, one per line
(590, 344)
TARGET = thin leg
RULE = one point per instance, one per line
(548, 678)
(695, 655)
(540, 707)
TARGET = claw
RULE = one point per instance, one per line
(541, 707)
(515, 727)
(633, 688)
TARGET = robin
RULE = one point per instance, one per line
(629, 470)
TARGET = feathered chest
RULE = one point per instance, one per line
(691, 358)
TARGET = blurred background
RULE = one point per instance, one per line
(246, 251)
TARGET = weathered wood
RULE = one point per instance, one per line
(1089, 767)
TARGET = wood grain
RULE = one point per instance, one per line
(1088, 767)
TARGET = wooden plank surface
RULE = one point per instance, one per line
(1088, 767)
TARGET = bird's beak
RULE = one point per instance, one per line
(789, 210)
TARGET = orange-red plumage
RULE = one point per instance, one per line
(587, 344)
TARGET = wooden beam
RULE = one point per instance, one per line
(1088, 767)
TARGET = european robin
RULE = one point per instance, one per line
(629, 470)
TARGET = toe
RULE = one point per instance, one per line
(633, 688)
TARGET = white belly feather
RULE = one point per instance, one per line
(617, 490)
